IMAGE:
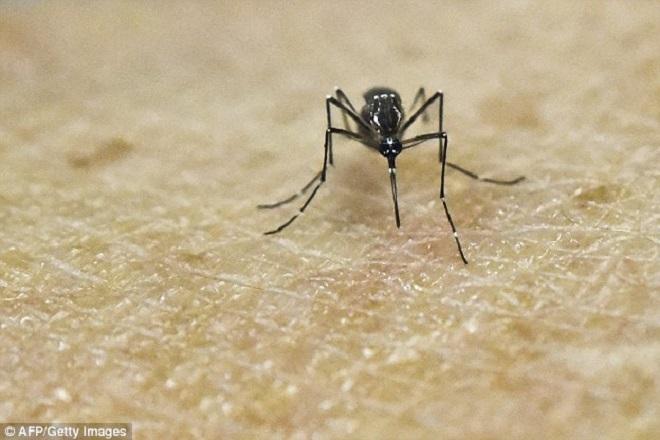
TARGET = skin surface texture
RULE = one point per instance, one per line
(136, 285)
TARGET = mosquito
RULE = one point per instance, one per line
(381, 125)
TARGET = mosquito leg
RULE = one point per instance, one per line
(292, 197)
(463, 170)
(443, 138)
(346, 111)
(441, 117)
(421, 94)
(444, 202)
(309, 184)
(341, 96)
(328, 137)
(321, 177)
(420, 111)
(485, 179)
(414, 141)
(330, 100)
(301, 210)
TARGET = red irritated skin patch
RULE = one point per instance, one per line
(136, 284)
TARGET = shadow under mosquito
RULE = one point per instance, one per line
(360, 191)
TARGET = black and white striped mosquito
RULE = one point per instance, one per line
(381, 126)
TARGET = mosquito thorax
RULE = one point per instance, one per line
(390, 147)
(382, 111)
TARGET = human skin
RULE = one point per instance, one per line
(137, 139)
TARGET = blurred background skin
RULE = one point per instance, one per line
(136, 139)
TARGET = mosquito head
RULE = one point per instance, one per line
(390, 147)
